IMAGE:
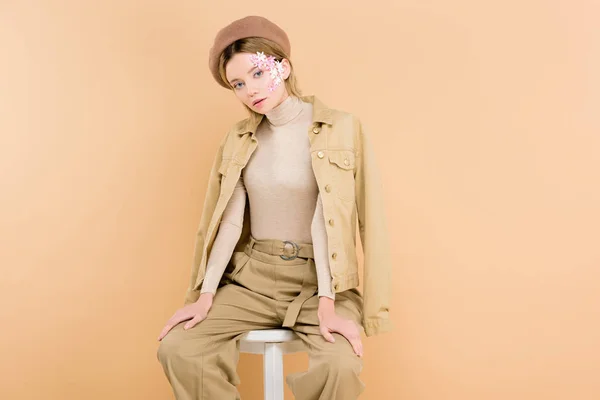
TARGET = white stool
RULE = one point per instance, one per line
(272, 344)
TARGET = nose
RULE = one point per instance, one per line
(252, 90)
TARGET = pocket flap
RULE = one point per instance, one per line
(344, 159)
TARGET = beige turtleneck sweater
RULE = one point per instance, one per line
(284, 198)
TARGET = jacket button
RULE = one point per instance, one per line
(334, 256)
(327, 188)
(320, 154)
(331, 222)
(316, 130)
(346, 162)
(336, 286)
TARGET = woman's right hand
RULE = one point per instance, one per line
(197, 312)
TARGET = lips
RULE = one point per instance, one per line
(257, 101)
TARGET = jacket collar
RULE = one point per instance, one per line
(321, 114)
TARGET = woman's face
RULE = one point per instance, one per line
(252, 83)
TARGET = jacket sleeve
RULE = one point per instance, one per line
(377, 283)
(210, 202)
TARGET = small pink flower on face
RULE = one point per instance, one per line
(270, 64)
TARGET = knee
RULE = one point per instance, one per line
(179, 346)
(168, 348)
(176, 345)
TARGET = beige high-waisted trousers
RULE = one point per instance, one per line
(266, 291)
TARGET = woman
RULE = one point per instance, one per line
(276, 243)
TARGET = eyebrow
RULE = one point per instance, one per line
(237, 79)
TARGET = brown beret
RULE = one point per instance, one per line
(251, 26)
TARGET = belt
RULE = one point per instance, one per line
(289, 250)
(285, 249)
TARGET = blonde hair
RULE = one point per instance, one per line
(253, 45)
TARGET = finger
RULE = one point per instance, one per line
(355, 345)
(174, 320)
(359, 346)
(327, 335)
(349, 332)
(357, 339)
(164, 331)
(198, 318)
(356, 331)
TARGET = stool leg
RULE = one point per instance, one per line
(273, 372)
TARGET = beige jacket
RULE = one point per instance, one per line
(348, 178)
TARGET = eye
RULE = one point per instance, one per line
(258, 74)
(235, 85)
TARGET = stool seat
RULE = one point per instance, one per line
(287, 341)
(272, 344)
(270, 336)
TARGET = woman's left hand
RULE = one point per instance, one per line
(330, 322)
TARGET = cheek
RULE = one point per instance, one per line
(270, 82)
(240, 94)
(281, 87)
(265, 79)
(267, 75)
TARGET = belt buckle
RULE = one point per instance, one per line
(296, 250)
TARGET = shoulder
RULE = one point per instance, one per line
(344, 119)
(346, 125)
(240, 126)
(235, 131)
(233, 139)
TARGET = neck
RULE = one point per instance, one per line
(285, 112)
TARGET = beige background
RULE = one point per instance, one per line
(485, 120)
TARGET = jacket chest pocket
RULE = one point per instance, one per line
(342, 163)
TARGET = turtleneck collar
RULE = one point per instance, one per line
(285, 112)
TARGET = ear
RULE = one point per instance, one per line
(287, 68)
